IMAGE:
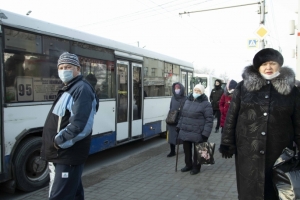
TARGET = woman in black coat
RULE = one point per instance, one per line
(263, 119)
(177, 101)
(194, 126)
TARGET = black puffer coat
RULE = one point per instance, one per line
(263, 119)
(196, 119)
(216, 95)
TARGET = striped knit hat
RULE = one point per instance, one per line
(68, 58)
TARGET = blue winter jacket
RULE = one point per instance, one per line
(196, 119)
(76, 104)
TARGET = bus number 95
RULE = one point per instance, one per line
(25, 88)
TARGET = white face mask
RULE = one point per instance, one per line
(177, 91)
(65, 75)
(269, 77)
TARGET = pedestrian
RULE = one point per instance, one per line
(177, 101)
(194, 126)
(262, 120)
(225, 101)
(214, 98)
(67, 131)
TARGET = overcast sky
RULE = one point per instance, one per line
(213, 39)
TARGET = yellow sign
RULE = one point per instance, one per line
(262, 31)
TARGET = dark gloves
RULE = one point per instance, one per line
(177, 129)
(227, 155)
(226, 151)
(204, 138)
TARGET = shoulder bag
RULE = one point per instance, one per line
(173, 115)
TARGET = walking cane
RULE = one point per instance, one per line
(176, 152)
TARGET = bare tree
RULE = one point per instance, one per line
(204, 70)
(225, 77)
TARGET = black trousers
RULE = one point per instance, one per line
(190, 156)
(67, 183)
(217, 113)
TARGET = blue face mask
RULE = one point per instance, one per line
(177, 91)
(65, 75)
(196, 95)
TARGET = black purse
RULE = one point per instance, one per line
(173, 116)
(286, 175)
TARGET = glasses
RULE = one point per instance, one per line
(65, 67)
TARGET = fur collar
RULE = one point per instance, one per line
(283, 83)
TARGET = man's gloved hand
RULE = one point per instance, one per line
(227, 155)
(177, 129)
(204, 138)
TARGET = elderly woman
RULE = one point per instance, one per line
(263, 119)
(194, 126)
(177, 101)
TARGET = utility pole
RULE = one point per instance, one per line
(298, 45)
(262, 21)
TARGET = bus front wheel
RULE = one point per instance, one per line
(31, 173)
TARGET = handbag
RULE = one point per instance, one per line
(173, 115)
(205, 153)
(286, 175)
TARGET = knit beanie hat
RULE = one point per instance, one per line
(68, 58)
(266, 55)
(232, 85)
(200, 87)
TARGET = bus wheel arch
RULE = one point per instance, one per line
(31, 173)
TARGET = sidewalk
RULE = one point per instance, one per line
(150, 175)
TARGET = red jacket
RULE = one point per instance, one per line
(224, 106)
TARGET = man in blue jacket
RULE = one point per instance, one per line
(68, 129)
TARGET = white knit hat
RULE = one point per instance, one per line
(200, 87)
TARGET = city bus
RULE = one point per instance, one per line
(133, 85)
(208, 81)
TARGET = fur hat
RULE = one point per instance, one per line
(68, 58)
(266, 55)
(200, 87)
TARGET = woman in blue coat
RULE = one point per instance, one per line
(194, 126)
(177, 101)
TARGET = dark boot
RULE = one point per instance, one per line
(186, 169)
(172, 153)
(195, 170)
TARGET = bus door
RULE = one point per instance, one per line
(186, 81)
(129, 100)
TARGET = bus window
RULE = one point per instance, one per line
(100, 74)
(154, 83)
(30, 78)
(22, 41)
(171, 76)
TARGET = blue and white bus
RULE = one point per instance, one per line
(133, 85)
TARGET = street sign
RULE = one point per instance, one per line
(252, 43)
(261, 32)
